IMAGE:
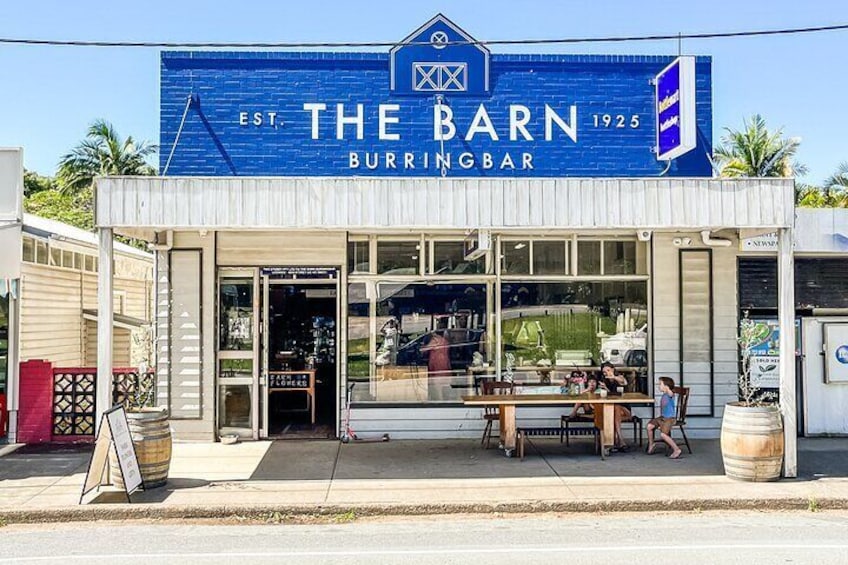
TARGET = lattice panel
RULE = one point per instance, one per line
(131, 389)
(74, 403)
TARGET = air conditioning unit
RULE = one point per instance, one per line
(477, 244)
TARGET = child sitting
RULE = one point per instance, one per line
(667, 419)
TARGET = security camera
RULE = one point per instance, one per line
(644, 235)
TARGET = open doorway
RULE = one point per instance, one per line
(300, 325)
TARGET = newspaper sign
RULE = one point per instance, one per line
(114, 433)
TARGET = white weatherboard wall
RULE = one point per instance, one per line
(667, 331)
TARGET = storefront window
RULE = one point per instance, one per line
(572, 323)
(358, 257)
(516, 257)
(234, 406)
(4, 342)
(549, 258)
(449, 259)
(620, 258)
(235, 368)
(358, 342)
(429, 337)
(588, 257)
(236, 315)
(398, 257)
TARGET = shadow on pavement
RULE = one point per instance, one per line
(465, 459)
(820, 458)
(45, 460)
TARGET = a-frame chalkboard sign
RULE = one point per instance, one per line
(114, 433)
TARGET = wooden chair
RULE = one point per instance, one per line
(681, 394)
(492, 414)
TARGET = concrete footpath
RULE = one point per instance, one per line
(326, 478)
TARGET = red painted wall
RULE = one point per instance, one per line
(35, 413)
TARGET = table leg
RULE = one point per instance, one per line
(608, 429)
(312, 402)
(508, 430)
(501, 426)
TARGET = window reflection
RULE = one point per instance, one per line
(236, 315)
(577, 323)
(429, 336)
(449, 259)
(398, 257)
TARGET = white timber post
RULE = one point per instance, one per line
(104, 322)
(786, 321)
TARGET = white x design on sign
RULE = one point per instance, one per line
(440, 77)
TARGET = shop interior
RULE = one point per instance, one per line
(301, 360)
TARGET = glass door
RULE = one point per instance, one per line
(300, 371)
(238, 353)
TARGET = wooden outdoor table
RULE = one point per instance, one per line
(508, 402)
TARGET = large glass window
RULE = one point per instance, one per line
(398, 257)
(516, 257)
(449, 259)
(236, 315)
(549, 258)
(358, 257)
(624, 258)
(572, 323)
(429, 336)
(588, 257)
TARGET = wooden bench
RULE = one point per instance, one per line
(542, 431)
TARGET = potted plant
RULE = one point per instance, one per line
(148, 424)
(752, 427)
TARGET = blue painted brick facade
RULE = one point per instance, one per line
(214, 143)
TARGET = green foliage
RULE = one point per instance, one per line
(74, 209)
(103, 152)
(754, 151)
(832, 194)
(33, 183)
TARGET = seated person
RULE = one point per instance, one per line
(612, 382)
(585, 407)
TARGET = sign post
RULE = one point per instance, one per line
(115, 435)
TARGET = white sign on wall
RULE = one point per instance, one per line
(765, 242)
(836, 352)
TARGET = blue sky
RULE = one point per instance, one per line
(50, 94)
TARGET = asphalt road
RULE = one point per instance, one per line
(708, 538)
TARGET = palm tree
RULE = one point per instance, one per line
(836, 187)
(103, 152)
(754, 151)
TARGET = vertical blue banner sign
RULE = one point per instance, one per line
(675, 109)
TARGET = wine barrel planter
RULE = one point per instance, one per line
(752, 442)
(151, 438)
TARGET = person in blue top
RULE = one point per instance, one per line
(667, 419)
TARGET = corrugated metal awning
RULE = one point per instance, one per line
(443, 203)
